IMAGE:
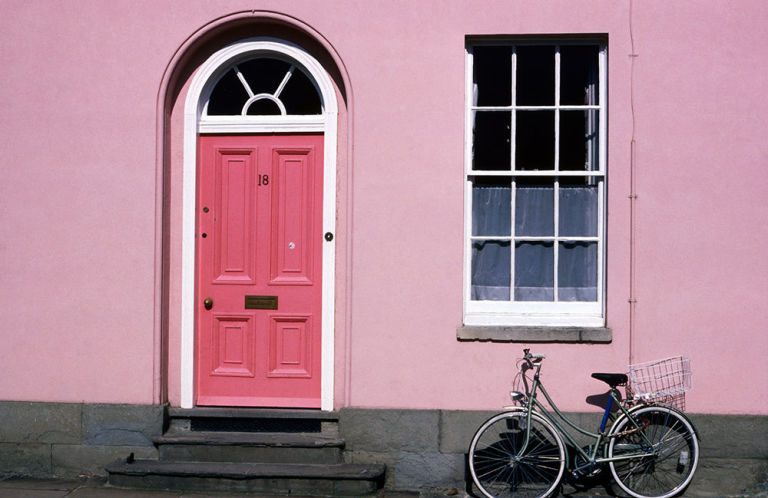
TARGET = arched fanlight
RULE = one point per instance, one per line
(264, 86)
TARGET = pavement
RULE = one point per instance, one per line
(97, 488)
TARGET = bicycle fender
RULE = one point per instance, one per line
(682, 414)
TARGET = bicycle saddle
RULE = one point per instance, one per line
(612, 379)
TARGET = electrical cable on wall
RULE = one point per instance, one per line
(632, 195)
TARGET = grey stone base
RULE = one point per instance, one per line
(421, 448)
(67, 440)
(427, 448)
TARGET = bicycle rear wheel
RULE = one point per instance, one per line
(502, 465)
(661, 455)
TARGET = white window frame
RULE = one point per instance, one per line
(534, 313)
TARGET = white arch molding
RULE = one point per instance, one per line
(197, 96)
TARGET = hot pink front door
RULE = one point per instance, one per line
(259, 255)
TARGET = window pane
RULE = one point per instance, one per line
(491, 140)
(534, 208)
(264, 107)
(492, 75)
(578, 210)
(536, 75)
(534, 271)
(577, 271)
(578, 141)
(264, 75)
(490, 270)
(300, 96)
(228, 96)
(491, 206)
(535, 140)
(579, 75)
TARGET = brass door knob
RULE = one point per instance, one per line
(208, 303)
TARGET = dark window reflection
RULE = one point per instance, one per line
(492, 75)
(491, 145)
(535, 143)
(536, 75)
(578, 75)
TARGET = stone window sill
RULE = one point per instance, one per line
(585, 335)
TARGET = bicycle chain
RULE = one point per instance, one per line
(645, 423)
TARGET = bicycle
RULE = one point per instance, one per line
(651, 448)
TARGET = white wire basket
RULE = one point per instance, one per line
(664, 381)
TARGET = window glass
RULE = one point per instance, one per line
(491, 206)
(577, 271)
(228, 96)
(490, 270)
(264, 75)
(578, 75)
(535, 75)
(535, 140)
(534, 271)
(578, 140)
(491, 140)
(534, 207)
(264, 107)
(493, 76)
(578, 210)
(300, 96)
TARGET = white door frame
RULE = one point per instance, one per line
(197, 97)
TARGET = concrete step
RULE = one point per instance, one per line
(249, 447)
(307, 479)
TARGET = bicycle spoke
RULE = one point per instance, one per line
(666, 466)
(516, 455)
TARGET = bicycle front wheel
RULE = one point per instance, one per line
(502, 464)
(657, 454)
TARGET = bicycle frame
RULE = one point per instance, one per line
(600, 438)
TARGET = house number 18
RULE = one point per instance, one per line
(263, 180)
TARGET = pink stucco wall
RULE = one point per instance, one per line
(78, 209)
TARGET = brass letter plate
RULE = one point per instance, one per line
(261, 302)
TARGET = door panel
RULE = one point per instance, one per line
(289, 354)
(293, 210)
(233, 207)
(233, 346)
(259, 244)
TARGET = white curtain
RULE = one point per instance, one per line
(534, 261)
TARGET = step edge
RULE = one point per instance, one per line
(278, 439)
(242, 471)
(262, 413)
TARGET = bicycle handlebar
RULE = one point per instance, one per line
(532, 358)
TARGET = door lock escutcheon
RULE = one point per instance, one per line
(208, 303)
(328, 236)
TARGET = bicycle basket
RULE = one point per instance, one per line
(664, 380)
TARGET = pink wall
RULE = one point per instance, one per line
(702, 185)
(407, 303)
(77, 240)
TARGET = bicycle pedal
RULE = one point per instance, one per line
(585, 472)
